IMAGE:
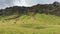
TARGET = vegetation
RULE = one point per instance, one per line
(38, 19)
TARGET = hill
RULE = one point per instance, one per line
(38, 19)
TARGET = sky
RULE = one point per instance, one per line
(8, 3)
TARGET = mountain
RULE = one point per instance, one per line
(53, 9)
(56, 3)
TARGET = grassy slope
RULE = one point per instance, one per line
(40, 24)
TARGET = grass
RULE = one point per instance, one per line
(40, 24)
(34, 26)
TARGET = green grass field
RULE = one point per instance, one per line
(40, 24)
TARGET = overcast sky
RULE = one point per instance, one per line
(7, 3)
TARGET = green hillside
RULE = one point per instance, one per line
(38, 19)
(39, 24)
